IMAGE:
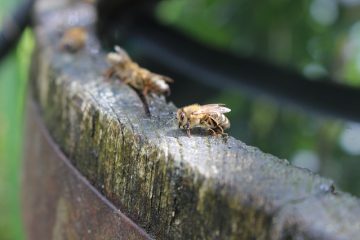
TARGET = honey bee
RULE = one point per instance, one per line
(210, 117)
(73, 39)
(137, 77)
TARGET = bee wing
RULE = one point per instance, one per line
(165, 78)
(121, 52)
(212, 108)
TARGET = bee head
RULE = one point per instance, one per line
(182, 119)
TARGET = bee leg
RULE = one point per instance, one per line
(108, 73)
(145, 91)
(142, 99)
(188, 132)
(225, 137)
(212, 132)
(221, 131)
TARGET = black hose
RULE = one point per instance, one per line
(180, 54)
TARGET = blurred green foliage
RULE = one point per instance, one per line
(310, 35)
(13, 78)
(316, 37)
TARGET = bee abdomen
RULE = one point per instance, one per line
(224, 121)
(220, 120)
(160, 84)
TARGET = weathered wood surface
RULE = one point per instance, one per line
(59, 203)
(173, 186)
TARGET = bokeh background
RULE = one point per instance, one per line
(13, 78)
(318, 38)
(315, 37)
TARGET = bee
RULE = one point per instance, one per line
(73, 39)
(210, 117)
(137, 77)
